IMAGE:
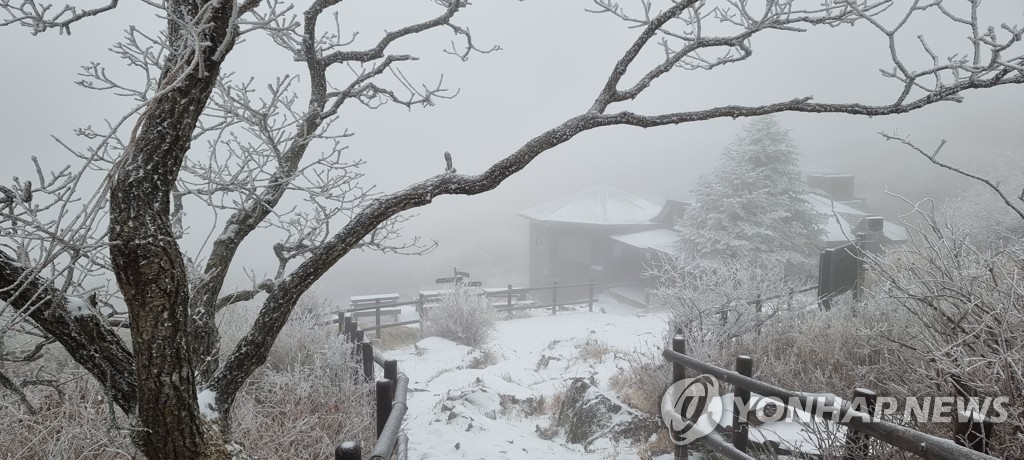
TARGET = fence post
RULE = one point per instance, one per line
(554, 296)
(367, 350)
(384, 390)
(391, 373)
(510, 297)
(421, 307)
(341, 321)
(348, 450)
(347, 328)
(741, 396)
(590, 296)
(857, 446)
(350, 329)
(681, 452)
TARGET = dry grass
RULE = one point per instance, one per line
(593, 351)
(396, 338)
(642, 381)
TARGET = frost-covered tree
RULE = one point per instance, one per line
(753, 206)
(200, 139)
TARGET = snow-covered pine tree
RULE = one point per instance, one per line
(753, 207)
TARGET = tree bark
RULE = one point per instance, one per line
(147, 261)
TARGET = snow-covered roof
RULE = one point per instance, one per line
(844, 229)
(601, 205)
(659, 239)
(826, 205)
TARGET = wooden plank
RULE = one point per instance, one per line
(373, 298)
(372, 313)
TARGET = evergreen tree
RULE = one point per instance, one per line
(753, 207)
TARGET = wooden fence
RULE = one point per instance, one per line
(391, 394)
(510, 295)
(969, 443)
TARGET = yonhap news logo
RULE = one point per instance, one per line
(693, 408)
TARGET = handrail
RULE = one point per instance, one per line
(915, 442)
(387, 441)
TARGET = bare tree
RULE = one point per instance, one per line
(198, 137)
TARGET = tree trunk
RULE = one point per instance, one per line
(148, 264)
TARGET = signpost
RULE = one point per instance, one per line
(458, 279)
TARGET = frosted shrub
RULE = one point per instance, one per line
(461, 317)
(711, 302)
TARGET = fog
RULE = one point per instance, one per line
(554, 59)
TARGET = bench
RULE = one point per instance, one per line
(371, 315)
(374, 299)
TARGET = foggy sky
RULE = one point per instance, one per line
(555, 58)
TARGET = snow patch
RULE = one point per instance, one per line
(207, 403)
(79, 307)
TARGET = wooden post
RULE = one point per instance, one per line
(350, 329)
(367, 350)
(741, 396)
(554, 296)
(681, 452)
(590, 296)
(391, 373)
(857, 445)
(510, 297)
(341, 321)
(421, 307)
(384, 391)
(348, 450)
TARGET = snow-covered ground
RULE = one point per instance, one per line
(456, 411)
(463, 404)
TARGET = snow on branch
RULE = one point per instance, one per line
(41, 17)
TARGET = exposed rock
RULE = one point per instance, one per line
(587, 414)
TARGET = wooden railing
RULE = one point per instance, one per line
(391, 394)
(858, 430)
(509, 294)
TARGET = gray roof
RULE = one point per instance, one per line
(601, 205)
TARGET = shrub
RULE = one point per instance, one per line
(461, 317)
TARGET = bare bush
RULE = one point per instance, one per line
(966, 325)
(461, 317)
(713, 303)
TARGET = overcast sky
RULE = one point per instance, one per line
(554, 59)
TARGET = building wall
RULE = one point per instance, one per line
(571, 254)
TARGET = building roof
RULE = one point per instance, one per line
(659, 239)
(601, 205)
(845, 228)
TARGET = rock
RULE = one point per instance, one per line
(587, 414)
